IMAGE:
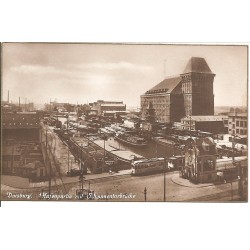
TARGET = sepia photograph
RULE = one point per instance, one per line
(113, 122)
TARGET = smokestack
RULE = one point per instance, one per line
(19, 104)
(8, 96)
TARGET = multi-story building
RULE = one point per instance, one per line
(20, 120)
(108, 107)
(166, 99)
(237, 124)
(208, 123)
(190, 93)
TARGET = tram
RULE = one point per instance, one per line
(143, 167)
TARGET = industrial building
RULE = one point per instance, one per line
(212, 124)
(108, 108)
(190, 93)
(237, 123)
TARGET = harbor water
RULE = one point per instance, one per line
(152, 150)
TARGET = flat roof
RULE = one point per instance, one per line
(204, 118)
(113, 105)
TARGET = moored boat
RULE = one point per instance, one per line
(131, 140)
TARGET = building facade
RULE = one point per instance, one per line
(108, 107)
(166, 99)
(20, 120)
(211, 124)
(237, 124)
(200, 160)
(190, 93)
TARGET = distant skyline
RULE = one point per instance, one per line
(81, 73)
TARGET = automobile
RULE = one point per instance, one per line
(74, 172)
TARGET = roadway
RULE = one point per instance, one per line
(155, 186)
(177, 189)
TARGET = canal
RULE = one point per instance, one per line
(152, 150)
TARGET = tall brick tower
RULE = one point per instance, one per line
(197, 88)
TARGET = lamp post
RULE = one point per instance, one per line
(71, 160)
(46, 157)
(81, 180)
(232, 194)
(104, 151)
(164, 180)
(240, 181)
(68, 158)
(195, 160)
(233, 145)
(145, 194)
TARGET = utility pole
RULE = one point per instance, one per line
(232, 192)
(47, 160)
(145, 194)
(68, 158)
(190, 124)
(104, 152)
(233, 145)
(240, 181)
(12, 159)
(195, 160)
(164, 183)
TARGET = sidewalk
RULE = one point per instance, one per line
(17, 182)
(186, 183)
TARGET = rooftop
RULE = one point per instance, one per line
(197, 65)
(238, 114)
(113, 105)
(205, 118)
(166, 86)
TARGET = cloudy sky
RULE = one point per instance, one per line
(81, 73)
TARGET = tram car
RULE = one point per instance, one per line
(229, 169)
(143, 167)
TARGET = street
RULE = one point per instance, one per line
(154, 185)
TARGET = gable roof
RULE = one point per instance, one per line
(197, 65)
(165, 86)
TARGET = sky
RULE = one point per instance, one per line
(84, 73)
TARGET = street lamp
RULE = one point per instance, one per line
(164, 183)
(47, 157)
(145, 194)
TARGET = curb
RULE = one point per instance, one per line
(92, 180)
(180, 184)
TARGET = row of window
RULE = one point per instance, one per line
(24, 124)
(238, 131)
(188, 122)
(19, 118)
(187, 87)
(241, 124)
